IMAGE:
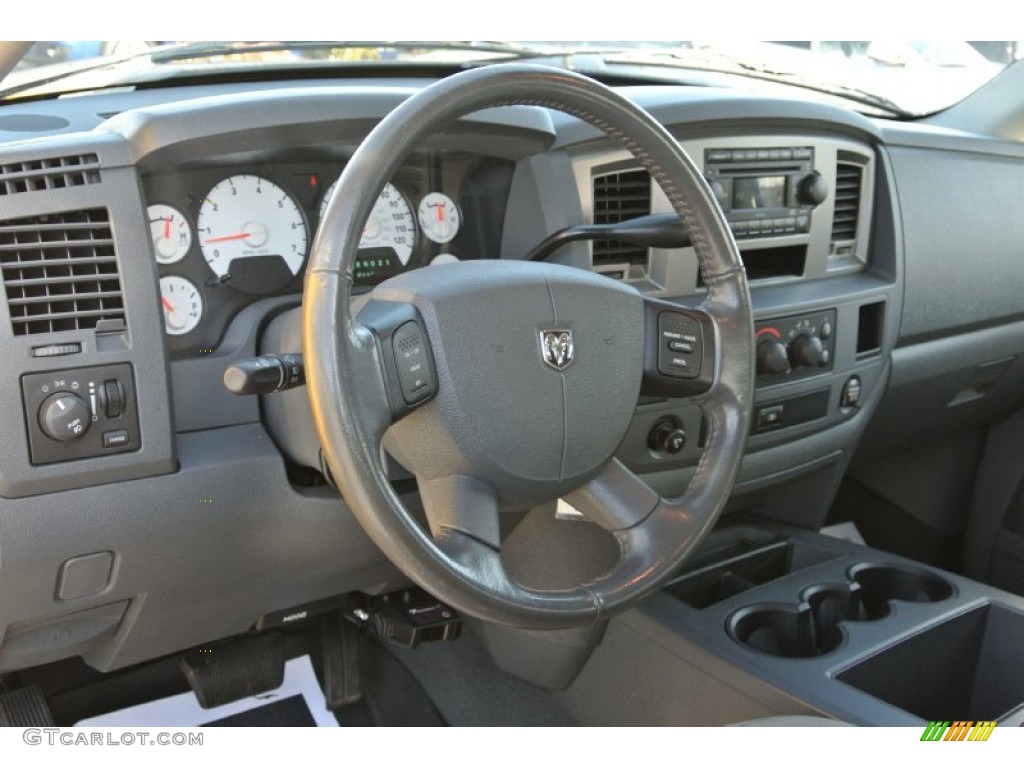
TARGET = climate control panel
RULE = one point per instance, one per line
(80, 413)
(795, 347)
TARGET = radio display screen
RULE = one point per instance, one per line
(755, 192)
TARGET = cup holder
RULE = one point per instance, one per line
(880, 584)
(814, 626)
(797, 632)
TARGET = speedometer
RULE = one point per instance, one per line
(388, 237)
(252, 233)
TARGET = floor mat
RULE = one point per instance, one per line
(298, 702)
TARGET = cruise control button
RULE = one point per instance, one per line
(680, 346)
(677, 345)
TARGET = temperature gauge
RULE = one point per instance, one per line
(182, 304)
(171, 233)
(439, 217)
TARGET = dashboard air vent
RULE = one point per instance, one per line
(847, 202)
(60, 272)
(52, 173)
(619, 196)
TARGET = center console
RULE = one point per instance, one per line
(855, 633)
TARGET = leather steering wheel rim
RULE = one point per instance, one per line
(459, 563)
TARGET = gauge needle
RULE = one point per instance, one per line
(167, 228)
(167, 305)
(440, 213)
(239, 236)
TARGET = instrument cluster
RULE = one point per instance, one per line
(224, 234)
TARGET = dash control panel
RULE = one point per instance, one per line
(795, 347)
(80, 413)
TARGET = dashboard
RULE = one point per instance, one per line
(226, 233)
(150, 239)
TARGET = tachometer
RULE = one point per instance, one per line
(252, 233)
(388, 236)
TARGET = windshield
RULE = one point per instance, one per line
(894, 78)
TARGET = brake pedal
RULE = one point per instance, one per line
(236, 670)
(25, 708)
(342, 685)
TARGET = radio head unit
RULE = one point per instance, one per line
(766, 192)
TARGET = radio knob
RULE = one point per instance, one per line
(812, 189)
(806, 351)
(719, 192)
(771, 357)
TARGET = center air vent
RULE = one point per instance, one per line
(51, 173)
(60, 272)
(847, 202)
(617, 197)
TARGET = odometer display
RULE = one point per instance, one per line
(391, 229)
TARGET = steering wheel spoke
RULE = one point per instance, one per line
(680, 350)
(616, 499)
(460, 504)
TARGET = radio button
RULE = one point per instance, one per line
(719, 155)
(802, 153)
(803, 223)
(785, 154)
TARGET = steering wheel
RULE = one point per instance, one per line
(503, 384)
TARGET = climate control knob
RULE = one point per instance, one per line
(772, 358)
(806, 351)
(64, 416)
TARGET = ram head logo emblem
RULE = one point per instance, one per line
(557, 349)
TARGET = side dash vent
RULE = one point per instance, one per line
(51, 173)
(847, 203)
(60, 272)
(619, 196)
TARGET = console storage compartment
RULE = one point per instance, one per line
(729, 566)
(865, 636)
(969, 667)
